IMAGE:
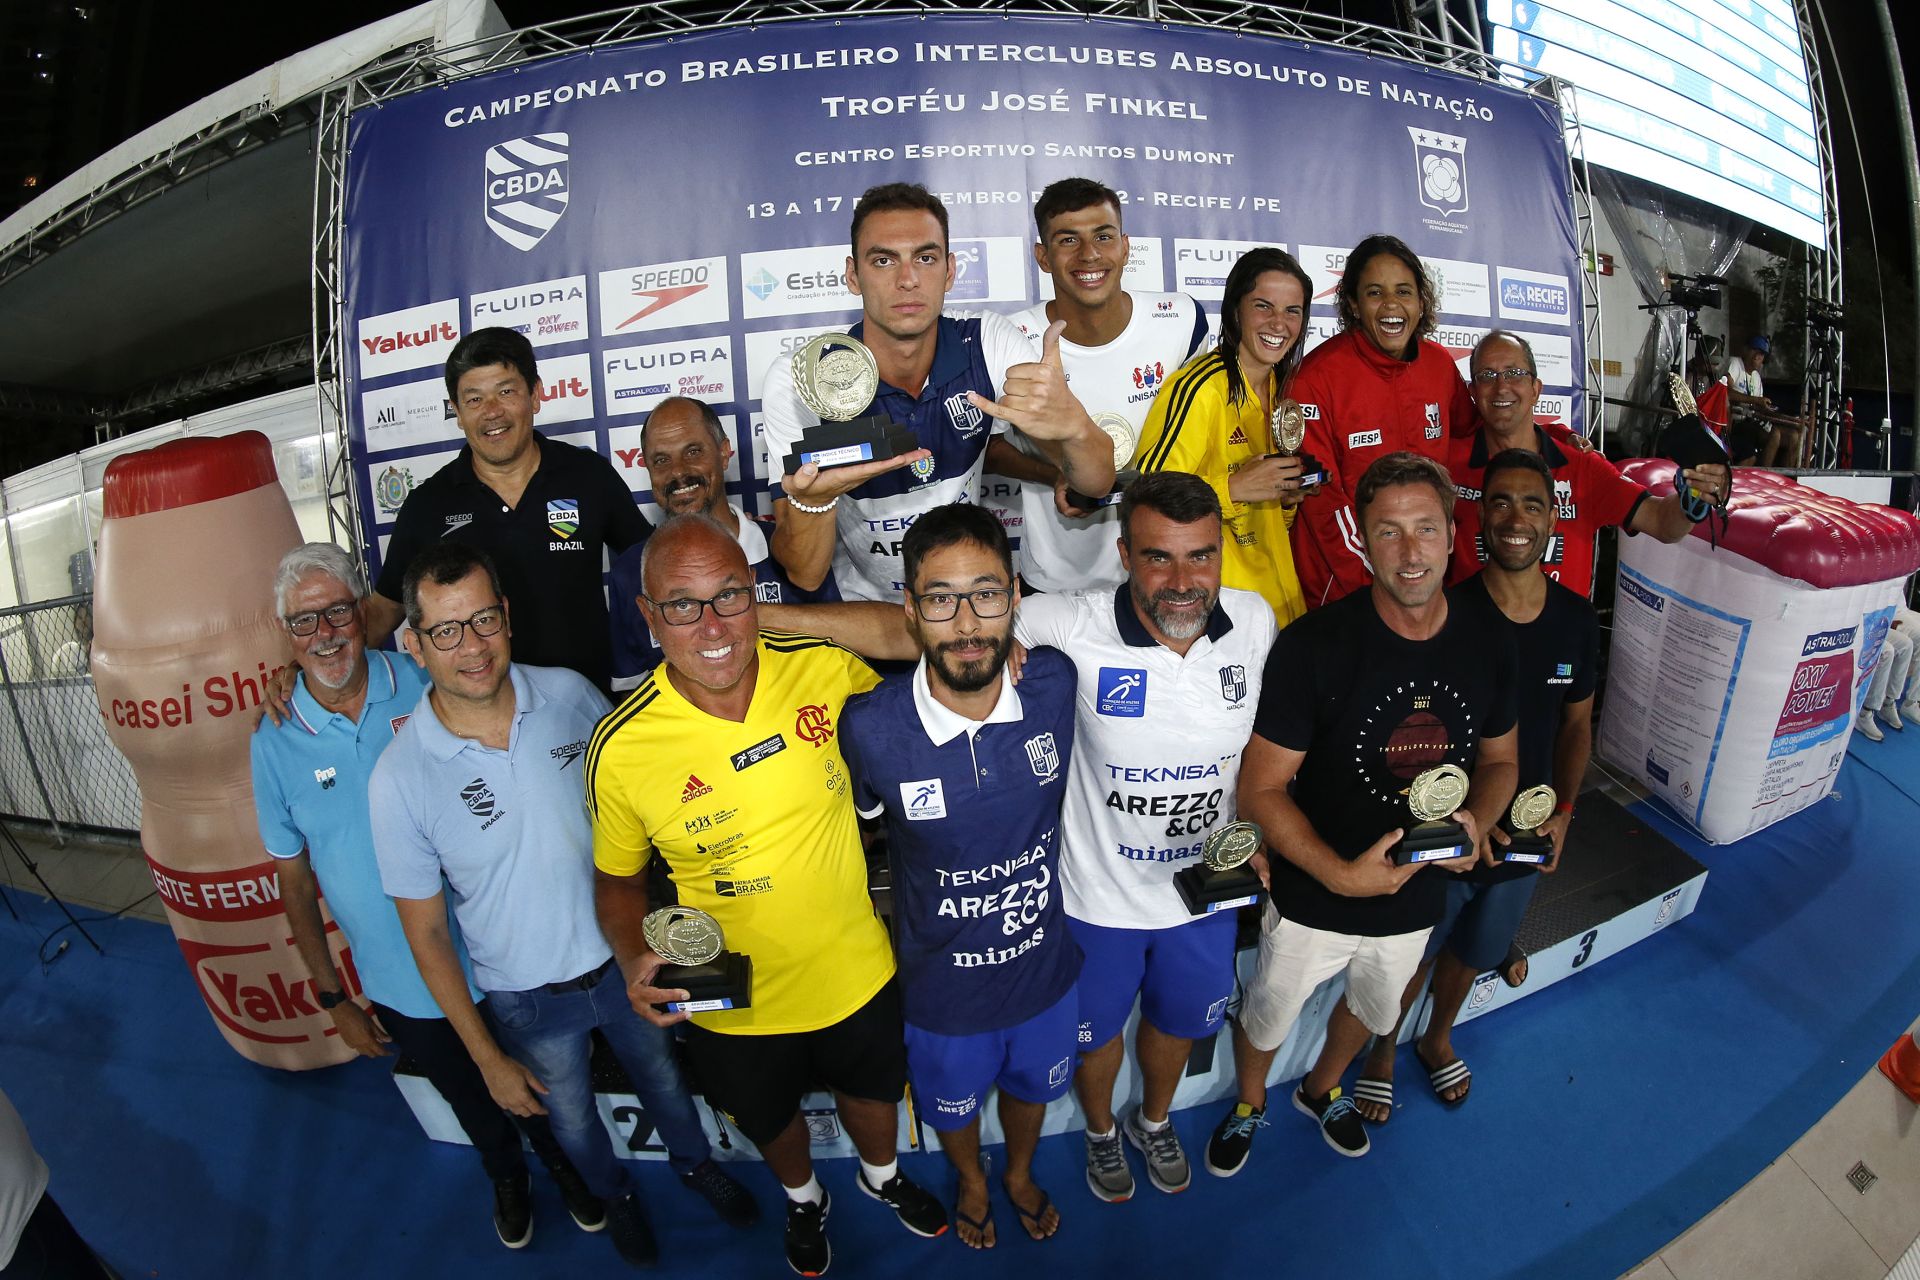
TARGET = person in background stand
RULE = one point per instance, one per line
(1375, 387)
(1215, 420)
(687, 454)
(1557, 639)
(310, 776)
(1118, 349)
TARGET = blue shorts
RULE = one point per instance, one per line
(1481, 920)
(1183, 976)
(1031, 1060)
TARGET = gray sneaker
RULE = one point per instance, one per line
(1867, 728)
(1167, 1166)
(1107, 1174)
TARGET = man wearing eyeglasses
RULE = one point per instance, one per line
(687, 454)
(969, 773)
(726, 762)
(310, 776)
(479, 790)
(1589, 493)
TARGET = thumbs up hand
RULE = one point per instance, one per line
(1036, 399)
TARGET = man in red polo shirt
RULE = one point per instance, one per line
(1589, 493)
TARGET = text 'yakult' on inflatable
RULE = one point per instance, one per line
(185, 641)
(1736, 673)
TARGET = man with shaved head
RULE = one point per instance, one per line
(725, 760)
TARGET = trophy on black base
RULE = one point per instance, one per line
(1125, 440)
(697, 962)
(1223, 879)
(1525, 843)
(1289, 424)
(1690, 442)
(836, 377)
(1435, 796)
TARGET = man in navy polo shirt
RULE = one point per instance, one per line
(541, 509)
(948, 379)
(480, 792)
(947, 753)
(310, 778)
(687, 453)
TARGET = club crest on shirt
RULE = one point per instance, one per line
(1043, 757)
(1233, 684)
(563, 517)
(924, 800)
(1433, 422)
(965, 418)
(921, 468)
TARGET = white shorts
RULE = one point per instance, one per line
(1294, 960)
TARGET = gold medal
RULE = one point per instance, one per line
(836, 376)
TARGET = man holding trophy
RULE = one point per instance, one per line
(1390, 704)
(873, 428)
(725, 761)
(1558, 639)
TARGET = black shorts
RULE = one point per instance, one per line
(759, 1080)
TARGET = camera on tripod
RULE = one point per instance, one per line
(1695, 293)
(1825, 315)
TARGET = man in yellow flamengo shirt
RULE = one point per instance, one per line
(726, 761)
(1213, 419)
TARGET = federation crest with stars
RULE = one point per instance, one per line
(1440, 170)
(526, 191)
(390, 489)
(563, 517)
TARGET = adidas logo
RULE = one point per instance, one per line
(694, 789)
(1239, 436)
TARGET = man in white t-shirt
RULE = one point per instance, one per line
(1748, 404)
(1118, 349)
(1169, 673)
(948, 379)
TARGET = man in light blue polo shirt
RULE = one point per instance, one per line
(310, 776)
(480, 797)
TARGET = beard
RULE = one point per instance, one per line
(701, 497)
(1174, 626)
(973, 675)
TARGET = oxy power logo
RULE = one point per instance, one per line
(526, 188)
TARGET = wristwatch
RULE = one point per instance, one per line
(331, 999)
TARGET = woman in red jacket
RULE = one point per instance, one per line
(1374, 388)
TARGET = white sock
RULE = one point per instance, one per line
(809, 1194)
(1092, 1134)
(1152, 1126)
(879, 1175)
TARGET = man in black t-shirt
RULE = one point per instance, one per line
(1359, 698)
(1557, 635)
(543, 510)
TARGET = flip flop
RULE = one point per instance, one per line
(1446, 1076)
(1377, 1091)
(1516, 959)
(1031, 1222)
(979, 1224)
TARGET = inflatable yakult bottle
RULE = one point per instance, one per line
(186, 637)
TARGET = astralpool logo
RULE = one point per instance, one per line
(762, 283)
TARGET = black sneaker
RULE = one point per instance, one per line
(513, 1210)
(733, 1202)
(1228, 1148)
(918, 1212)
(808, 1252)
(1339, 1121)
(588, 1210)
(632, 1237)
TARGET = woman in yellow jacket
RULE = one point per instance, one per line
(1214, 418)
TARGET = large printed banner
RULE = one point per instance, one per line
(670, 218)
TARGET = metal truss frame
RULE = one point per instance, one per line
(1823, 395)
(424, 67)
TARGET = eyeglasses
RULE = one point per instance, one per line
(337, 616)
(487, 622)
(1503, 375)
(941, 606)
(684, 611)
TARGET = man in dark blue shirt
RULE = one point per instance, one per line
(687, 454)
(969, 773)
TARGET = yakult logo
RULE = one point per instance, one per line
(409, 339)
(526, 188)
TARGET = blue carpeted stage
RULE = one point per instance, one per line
(1608, 1113)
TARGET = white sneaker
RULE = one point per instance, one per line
(1868, 729)
(1910, 712)
(1890, 716)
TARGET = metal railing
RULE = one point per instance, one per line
(57, 764)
